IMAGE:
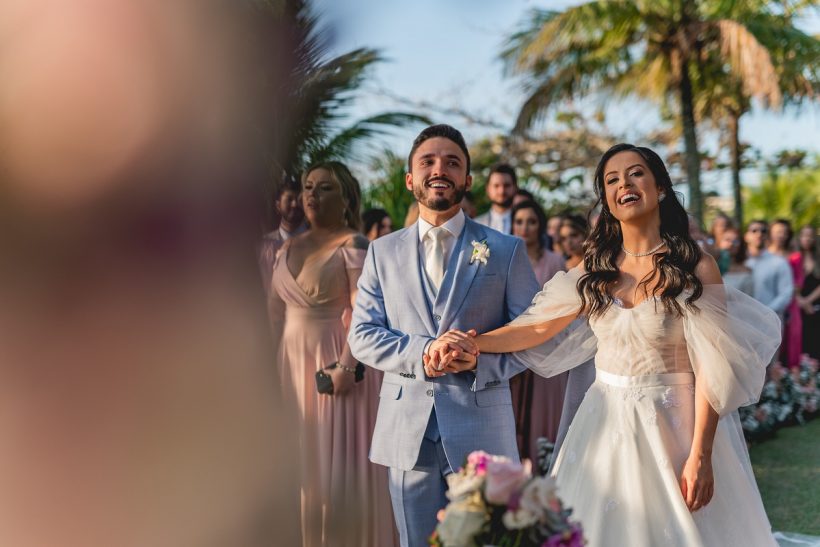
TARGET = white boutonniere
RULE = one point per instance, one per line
(481, 252)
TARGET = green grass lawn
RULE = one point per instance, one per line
(787, 468)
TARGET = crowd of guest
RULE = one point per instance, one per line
(310, 266)
(768, 262)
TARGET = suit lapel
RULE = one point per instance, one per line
(461, 274)
(407, 257)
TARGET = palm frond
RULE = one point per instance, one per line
(750, 61)
(343, 145)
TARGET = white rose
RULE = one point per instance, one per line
(460, 525)
(538, 496)
(518, 519)
(459, 485)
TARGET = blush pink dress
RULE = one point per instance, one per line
(537, 401)
(345, 498)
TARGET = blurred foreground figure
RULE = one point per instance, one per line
(138, 402)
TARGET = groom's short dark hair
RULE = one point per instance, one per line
(439, 130)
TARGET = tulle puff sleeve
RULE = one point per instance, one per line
(573, 346)
(730, 339)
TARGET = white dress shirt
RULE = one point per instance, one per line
(455, 225)
(501, 221)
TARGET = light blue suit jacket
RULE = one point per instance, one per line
(393, 320)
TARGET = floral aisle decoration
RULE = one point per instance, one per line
(788, 397)
(495, 501)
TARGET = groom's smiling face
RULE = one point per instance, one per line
(438, 174)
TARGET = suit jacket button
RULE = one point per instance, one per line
(437, 317)
(429, 392)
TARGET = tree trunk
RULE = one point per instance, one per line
(734, 150)
(690, 140)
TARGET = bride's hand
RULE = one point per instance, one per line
(454, 340)
(455, 345)
(697, 482)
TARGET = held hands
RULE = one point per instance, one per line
(697, 483)
(455, 351)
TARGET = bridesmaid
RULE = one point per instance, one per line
(344, 496)
(537, 401)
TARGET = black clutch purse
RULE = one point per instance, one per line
(324, 383)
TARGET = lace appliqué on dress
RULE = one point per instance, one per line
(670, 398)
(633, 393)
(652, 417)
(610, 504)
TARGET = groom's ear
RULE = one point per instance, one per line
(408, 181)
(469, 182)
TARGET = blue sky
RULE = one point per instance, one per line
(445, 52)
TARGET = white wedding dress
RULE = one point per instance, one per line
(620, 464)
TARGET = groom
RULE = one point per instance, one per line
(443, 272)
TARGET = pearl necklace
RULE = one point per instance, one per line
(647, 253)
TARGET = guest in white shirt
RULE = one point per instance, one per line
(501, 188)
(771, 274)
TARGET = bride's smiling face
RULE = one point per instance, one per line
(630, 187)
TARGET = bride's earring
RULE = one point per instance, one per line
(661, 196)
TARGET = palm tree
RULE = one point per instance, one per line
(792, 194)
(770, 40)
(319, 92)
(388, 190)
(654, 49)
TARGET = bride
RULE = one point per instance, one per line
(655, 454)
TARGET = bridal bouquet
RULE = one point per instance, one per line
(494, 501)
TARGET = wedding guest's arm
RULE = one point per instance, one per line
(344, 376)
(697, 480)
(370, 337)
(807, 302)
(785, 287)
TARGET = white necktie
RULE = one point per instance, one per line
(436, 255)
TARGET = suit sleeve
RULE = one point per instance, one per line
(521, 286)
(370, 337)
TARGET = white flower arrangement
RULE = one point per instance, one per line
(495, 501)
(481, 252)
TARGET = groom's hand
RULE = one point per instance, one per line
(453, 340)
(453, 351)
(457, 361)
(466, 361)
(459, 345)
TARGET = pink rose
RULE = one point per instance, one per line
(478, 461)
(505, 477)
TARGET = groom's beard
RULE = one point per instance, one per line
(442, 203)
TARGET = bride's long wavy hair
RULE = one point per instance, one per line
(674, 269)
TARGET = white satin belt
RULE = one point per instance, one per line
(646, 380)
